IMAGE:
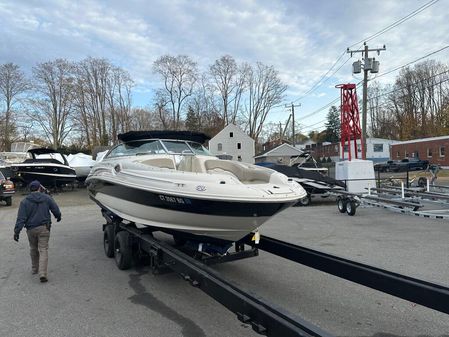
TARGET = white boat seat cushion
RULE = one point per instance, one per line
(191, 164)
(160, 162)
(247, 175)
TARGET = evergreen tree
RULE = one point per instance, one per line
(192, 121)
(333, 125)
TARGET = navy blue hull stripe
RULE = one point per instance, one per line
(185, 204)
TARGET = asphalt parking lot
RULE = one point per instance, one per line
(88, 296)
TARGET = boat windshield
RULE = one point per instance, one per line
(156, 146)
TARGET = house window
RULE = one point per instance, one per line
(378, 147)
(429, 152)
(220, 147)
(239, 158)
(442, 151)
(398, 155)
(405, 154)
(231, 134)
(239, 146)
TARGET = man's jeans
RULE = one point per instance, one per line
(38, 238)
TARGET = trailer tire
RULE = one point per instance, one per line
(341, 204)
(351, 207)
(422, 182)
(8, 201)
(305, 201)
(123, 250)
(108, 241)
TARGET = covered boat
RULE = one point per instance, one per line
(82, 164)
(168, 180)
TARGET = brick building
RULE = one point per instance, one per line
(432, 149)
(377, 150)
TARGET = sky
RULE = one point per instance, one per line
(301, 39)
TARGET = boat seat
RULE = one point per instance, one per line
(247, 175)
(191, 164)
(160, 162)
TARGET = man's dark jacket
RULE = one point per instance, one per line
(34, 211)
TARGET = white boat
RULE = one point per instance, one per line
(168, 180)
(82, 164)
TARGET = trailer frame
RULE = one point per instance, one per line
(264, 317)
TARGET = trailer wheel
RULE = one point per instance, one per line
(108, 240)
(8, 201)
(351, 207)
(305, 201)
(341, 204)
(122, 250)
(422, 182)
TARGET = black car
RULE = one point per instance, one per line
(384, 167)
(410, 164)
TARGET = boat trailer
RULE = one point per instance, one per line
(126, 243)
(348, 202)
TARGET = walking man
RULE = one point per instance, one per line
(34, 215)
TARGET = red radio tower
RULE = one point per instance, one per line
(350, 119)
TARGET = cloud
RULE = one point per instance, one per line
(301, 39)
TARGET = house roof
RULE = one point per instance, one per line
(234, 128)
(281, 150)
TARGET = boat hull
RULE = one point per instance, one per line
(220, 219)
(49, 175)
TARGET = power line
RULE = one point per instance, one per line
(428, 86)
(305, 127)
(369, 38)
(417, 82)
(398, 22)
(318, 83)
(326, 106)
(414, 61)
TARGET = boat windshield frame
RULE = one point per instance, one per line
(190, 150)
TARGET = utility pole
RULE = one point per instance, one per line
(369, 65)
(292, 107)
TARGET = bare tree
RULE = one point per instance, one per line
(119, 87)
(141, 119)
(265, 91)
(204, 105)
(419, 101)
(179, 75)
(95, 74)
(230, 80)
(12, 85)
(162, 114)
(53, 101)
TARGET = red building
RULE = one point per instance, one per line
(432, 149)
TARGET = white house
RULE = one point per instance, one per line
(232, 141)
(279, 155)
(377, 149)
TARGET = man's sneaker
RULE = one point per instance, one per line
(34, 272)
(43, 279)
